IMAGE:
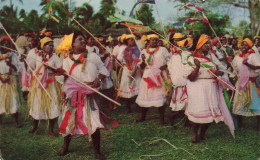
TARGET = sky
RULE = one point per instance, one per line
(166, 8)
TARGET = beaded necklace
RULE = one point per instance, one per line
(150, 54)
(4, 56)
(81, 60)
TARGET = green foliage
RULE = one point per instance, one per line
(145, 15)
(33, 21)
(10, 20)
(243, 29)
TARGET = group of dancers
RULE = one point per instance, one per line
(207, 79)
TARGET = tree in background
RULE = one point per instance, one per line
(243, 29)
(145, 15)
(11, 1)
(251, 5)
(33, 21)
(9, 18)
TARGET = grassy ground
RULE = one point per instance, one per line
(118, 144)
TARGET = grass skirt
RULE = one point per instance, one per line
(9, 96)
(242, 103)
(41, 106)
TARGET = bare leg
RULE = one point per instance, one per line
(203, 130)
(258, 123)
(143, 114)
(51, 127)
(128, 105)
(172, 116)
(239, 121)
(195, 127)
(35, 125)
(96, 144)
(161, 112)
(65, 148)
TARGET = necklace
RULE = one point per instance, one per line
(81, 60)
(151, 52)
(45, 56)
(4, 56)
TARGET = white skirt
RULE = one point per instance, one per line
(153, 97)
(73, 127)
(41, 106)
(179, 99)
(203, 106)
(128, 90)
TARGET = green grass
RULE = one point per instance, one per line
(118, 144)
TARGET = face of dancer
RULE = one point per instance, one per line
(244, 47)
(218, 45)
(153, 42)
(176, 40)
(257, 41)
(160, 43)
(80, 44)
(7, 44)
(91, 41)
(48, 47)
(206, 47)
(131, 42)
(234, 41)
(224, 41)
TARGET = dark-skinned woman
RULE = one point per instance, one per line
(129, 87)
(42, 107)
(204, 105)
(80, 114)
(247, 64)
(152, 90)
(9, 70)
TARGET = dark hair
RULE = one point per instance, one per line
(76, 34)
(195, 42)
(125, 41)
(170, 37)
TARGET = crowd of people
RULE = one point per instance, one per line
(207, 79)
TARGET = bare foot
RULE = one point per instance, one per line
(194, 139)
(19, 125)
(63, 151)
(140, 120)
(33, 130)
(100, 156)
(163, 123)
(53, 134)
(202, 137)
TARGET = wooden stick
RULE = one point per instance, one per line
(160, 20)
(27, 63)
(71, 77)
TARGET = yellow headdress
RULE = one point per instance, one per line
(152, 36)
(202, 40)
(44, 41)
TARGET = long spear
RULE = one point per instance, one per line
(77, 80)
